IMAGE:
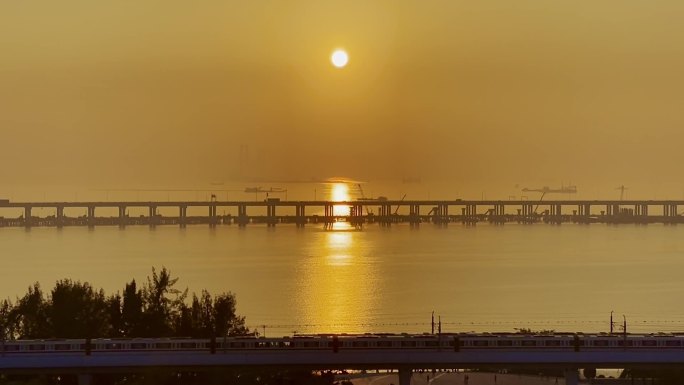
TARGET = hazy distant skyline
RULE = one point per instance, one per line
(481, 94)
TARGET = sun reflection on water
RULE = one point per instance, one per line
(336, 284)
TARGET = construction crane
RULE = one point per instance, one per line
(546, 190)
(622, 189)
(402, 199)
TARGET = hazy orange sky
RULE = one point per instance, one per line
(478, 93)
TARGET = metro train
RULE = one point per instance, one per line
(454, 342)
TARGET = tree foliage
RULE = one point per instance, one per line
(76, 310)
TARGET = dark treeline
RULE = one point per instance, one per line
(75, 309)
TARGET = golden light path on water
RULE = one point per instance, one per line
(336, 281)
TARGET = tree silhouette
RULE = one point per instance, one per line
(160, 309)
(77, 310)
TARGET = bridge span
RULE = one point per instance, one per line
(567, 352)
(356, 213)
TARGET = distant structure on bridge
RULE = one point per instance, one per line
(272, 211)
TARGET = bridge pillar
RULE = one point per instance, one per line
(497, 214)
(242, 218)
(405, 376)
(212, 215)
(300, 216)
(470, 214)
(329, 219)
(385, 216)
(571, 377)
(356, 215)
(556, 215)
(60, 216)
(527, 215)
(91, 216)
(669, 213)
(28, 219)
(414, 215)
(271, 215)
(153, 216)
(122, 216)
(182, 215)
(441, 215)
(85, 379)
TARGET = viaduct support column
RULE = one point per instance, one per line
(556, 215)
(356, 215)
(122, 216)
(60, 216)
(271, 215)
(153, 216)
(28, 219)
(91, 216)
(300, 215)
(183, 216)
(527, 213)
(212, 215)
(497, 214)
(385, 215)
(470, 214)
(414, 215)
(444, 214)
(329, 216)
(405, 376)
(242, 218)
(669, 213)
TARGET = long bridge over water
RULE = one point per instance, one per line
(357, 213)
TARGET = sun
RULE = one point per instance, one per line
(339, 58)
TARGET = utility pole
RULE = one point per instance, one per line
(433, 323)
(611, 322)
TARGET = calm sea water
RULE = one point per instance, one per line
(482, 278)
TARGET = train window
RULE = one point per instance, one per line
(163, 345)
(528, 343)
(384, 344)
(504, 343)
(237, 344)
(62, 347)
(263, 344)
(432, 343)
(625, 343)
(600, 342)
(649, 343)
(480, 343)
(460, 343)
(673, 343)
(409, 344)
(552, 343)
(360, 344)
(284, 344)
(36, 347)
(138, 345)
(187, 345)
(12, 348)
(112, 346)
